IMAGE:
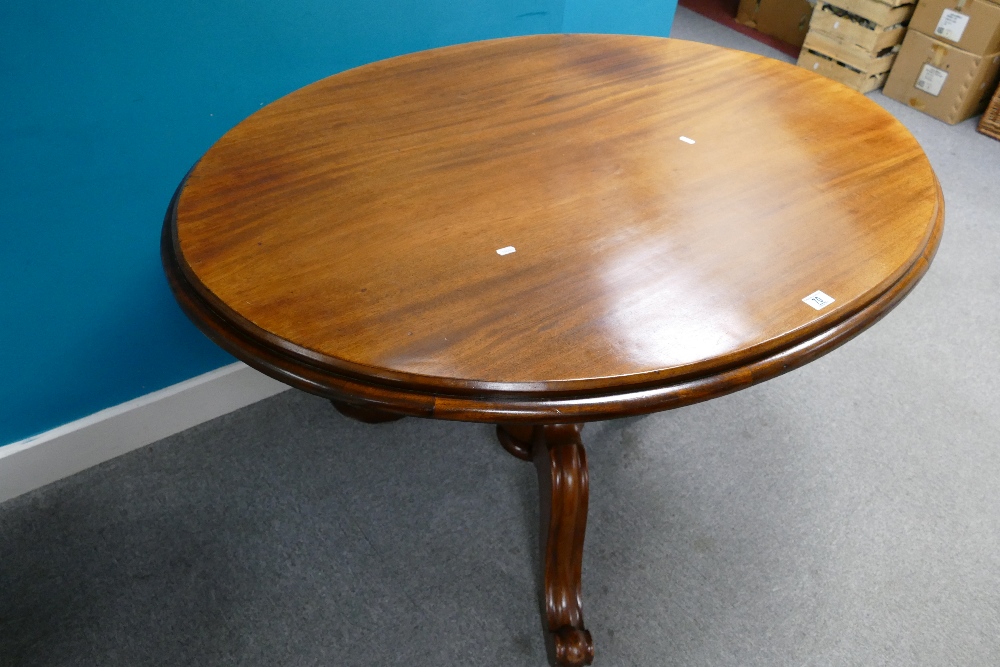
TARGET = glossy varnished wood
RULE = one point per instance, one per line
(516, 439)
(348, 232)
(564, 491)
(365, 413)
(670, 204)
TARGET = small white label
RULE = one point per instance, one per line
(836, 24)
(687, 140)
(931, 80)
(952, 25)
(818, 300)
(505, 251)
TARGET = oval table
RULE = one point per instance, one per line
(541, 231)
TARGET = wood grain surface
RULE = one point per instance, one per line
(344, 238)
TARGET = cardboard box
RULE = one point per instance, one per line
(788, 20)
(876, 11)
(854, 41)
(861, 60)
(868, 77)
(971, 25)
(941, 80)
(843, 23)
(989, 124)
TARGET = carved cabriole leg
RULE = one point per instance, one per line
(365, 414)
(563, 489)
(516, 439)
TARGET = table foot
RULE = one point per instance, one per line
(365, 414)
(563, 489)
(572, 646)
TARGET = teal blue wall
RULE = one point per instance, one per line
(105, 105)
(632, 17)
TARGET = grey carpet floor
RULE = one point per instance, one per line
(847, 513)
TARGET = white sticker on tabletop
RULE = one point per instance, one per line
(931, 80)
(952, 25)
(818, 300)
(506, 251)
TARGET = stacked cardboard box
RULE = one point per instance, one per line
(989, 124)
(950, 60)
(788, 20)
(855, 41)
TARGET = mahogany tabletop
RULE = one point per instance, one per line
(546, 230)
(551, 228)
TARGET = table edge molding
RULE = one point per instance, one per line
(524, 403)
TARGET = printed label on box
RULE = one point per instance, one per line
(952, 25)
(931, 79)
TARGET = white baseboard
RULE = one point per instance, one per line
(68, 449)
